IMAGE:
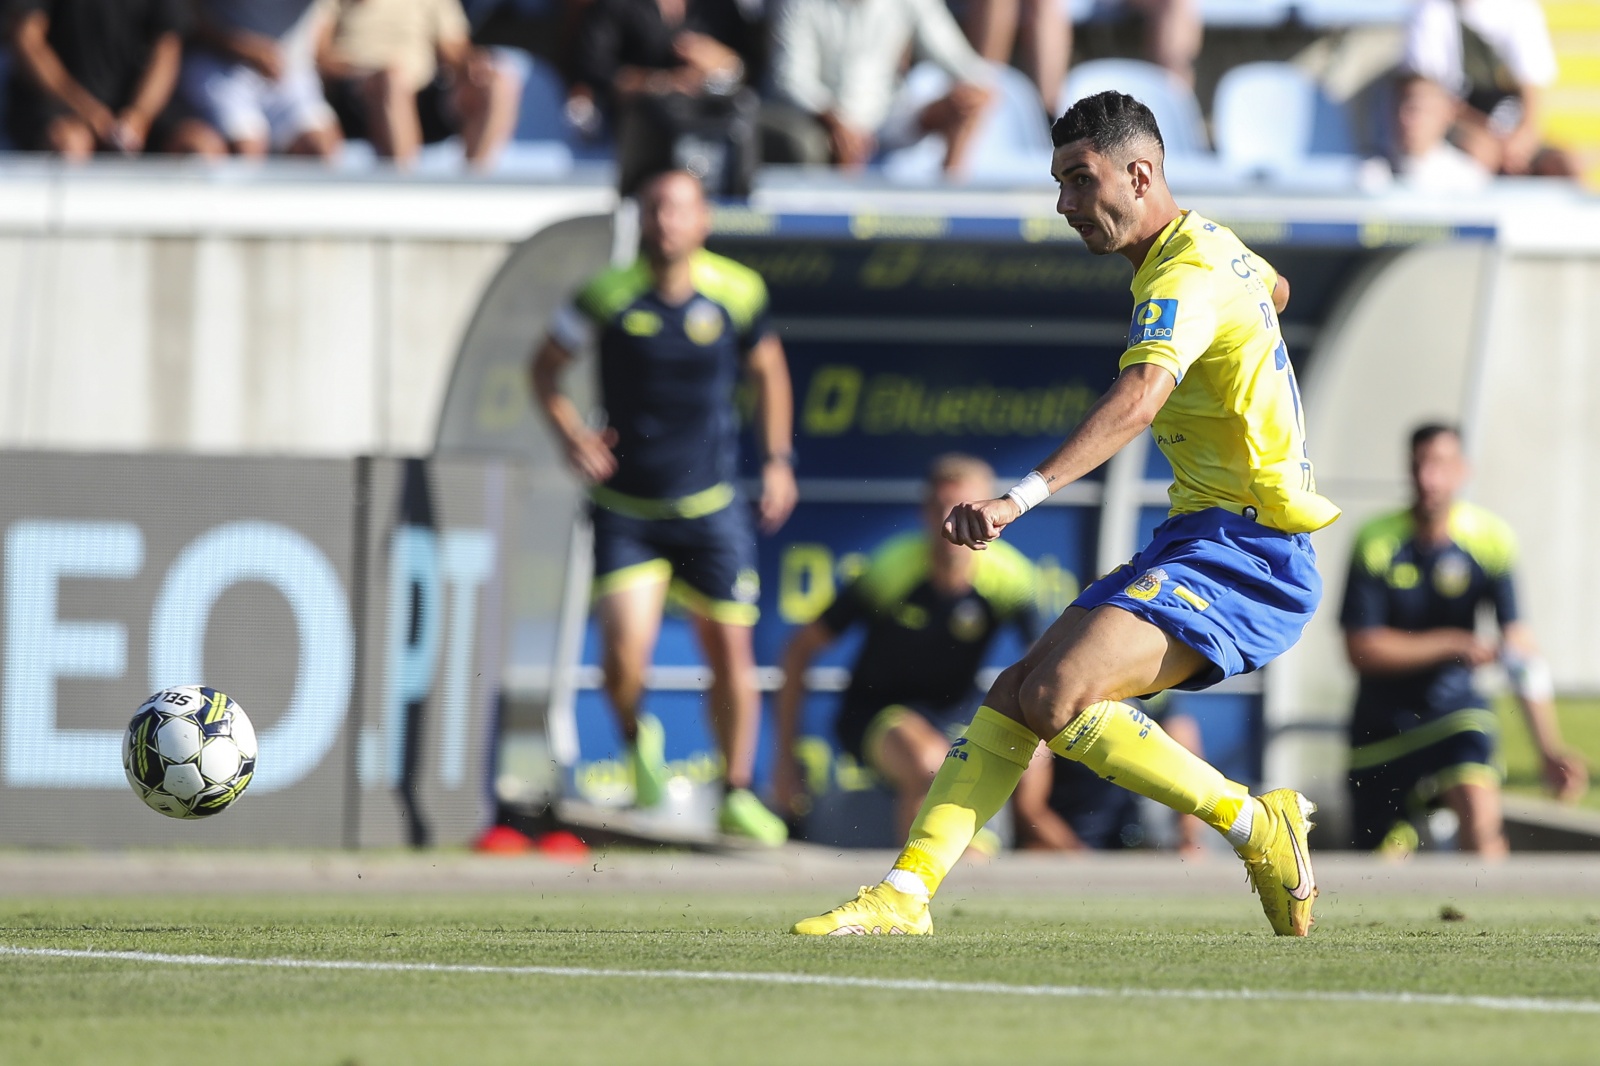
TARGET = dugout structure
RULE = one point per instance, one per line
(918, 323)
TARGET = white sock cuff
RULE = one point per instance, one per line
(1238, 833)
(907, 882)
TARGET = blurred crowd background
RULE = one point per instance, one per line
(1439, 95)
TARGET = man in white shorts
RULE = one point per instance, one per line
(252, 75)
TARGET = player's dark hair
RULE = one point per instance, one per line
(1109, 121)
(1426, 432)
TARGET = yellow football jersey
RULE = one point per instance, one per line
(1233, 429)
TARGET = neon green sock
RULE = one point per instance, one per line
(1124, 745)
(978, 776)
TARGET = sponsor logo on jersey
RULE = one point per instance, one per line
(702, 322)
(1147, 587)
(1153, 320)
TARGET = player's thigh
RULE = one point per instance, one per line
(630, 587)
(907, 750)
(630, 619)
(1111, 655)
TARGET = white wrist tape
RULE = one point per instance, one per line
(1532, 680)
(1029, 492)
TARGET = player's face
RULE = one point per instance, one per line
(1097, 197)
(1438, 470)
(673, 218)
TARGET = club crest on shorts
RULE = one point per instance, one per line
(747, 586)
(702, 322)
(1148, 586)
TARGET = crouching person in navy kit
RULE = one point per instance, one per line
(675, 331)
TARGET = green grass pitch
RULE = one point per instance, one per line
(104, 1011)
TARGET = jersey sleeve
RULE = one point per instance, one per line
(1503, 593)
(1366, 598)
(756, 321)
(1174, 320)
(572, 329)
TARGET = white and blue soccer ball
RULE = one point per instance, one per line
(189, 752)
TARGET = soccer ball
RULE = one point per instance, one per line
(189, 752)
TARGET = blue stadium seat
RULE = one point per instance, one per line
(1012, 144)
(1183, 127)
(1273, 118)
(1325, 14)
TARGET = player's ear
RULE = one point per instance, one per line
(1142, 172)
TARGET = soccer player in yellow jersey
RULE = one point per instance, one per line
(1228, 581)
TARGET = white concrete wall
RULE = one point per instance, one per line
(155, 310)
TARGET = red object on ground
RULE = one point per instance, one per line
(563, 845)
(503, 840)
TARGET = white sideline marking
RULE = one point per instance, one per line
(880, 984)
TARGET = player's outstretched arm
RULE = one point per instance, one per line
(1125, 411)
(1565, 773)
(1280, 294)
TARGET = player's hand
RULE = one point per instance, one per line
(590, 454)
(974, 525)
(779, 493)
(1472, 651)
(1565, 775)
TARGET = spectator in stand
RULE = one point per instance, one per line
(97, 76)
(1035, 31)
(836, 72)
(655, 68)
(251, 73)
(1496, 57)
(1038, 33)
(1422, 157)
(404, 73)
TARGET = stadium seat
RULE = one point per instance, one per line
(1327, 14)
(1011, 145)
(1273, 119)
(1183, 128)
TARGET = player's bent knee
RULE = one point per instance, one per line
(1049, 704)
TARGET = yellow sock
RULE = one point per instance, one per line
(1124, 745)
(978, 776)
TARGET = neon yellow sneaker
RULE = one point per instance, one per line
(647, 755)
(1280, 867)
(744, 815)
(881, 910)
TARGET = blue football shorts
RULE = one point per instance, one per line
(1232, 589)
